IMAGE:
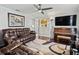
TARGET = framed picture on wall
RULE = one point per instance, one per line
(44, 22)
(15, 20)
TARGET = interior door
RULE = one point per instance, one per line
(43, 28)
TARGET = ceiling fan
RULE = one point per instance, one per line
(40, 9)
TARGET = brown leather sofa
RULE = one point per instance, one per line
(21, 34)
(11, 36)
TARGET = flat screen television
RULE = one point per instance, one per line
(65, 20)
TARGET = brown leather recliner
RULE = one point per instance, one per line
(14, 38)
(22, 34)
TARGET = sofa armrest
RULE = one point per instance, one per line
(1, 53)
(32, 32)
(10, 47)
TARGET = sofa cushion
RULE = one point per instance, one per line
(26, 31)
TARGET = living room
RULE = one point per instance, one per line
(37, 29)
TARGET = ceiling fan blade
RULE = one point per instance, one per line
(42, 12)
(36, 6)
(47, 8)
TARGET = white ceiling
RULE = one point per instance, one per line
(29, 8)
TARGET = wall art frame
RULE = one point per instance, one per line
(15, 20)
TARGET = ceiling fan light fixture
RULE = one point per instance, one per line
(40, 11)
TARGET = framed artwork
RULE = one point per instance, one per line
(44, 22)
(15, 20)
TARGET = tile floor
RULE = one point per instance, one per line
(38, 44)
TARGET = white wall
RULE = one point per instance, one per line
(4, 17)
(43, 31)
(35, 16)
(38, 16)
(78, 22)
(53, 15)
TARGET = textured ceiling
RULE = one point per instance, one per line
(29, 8)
